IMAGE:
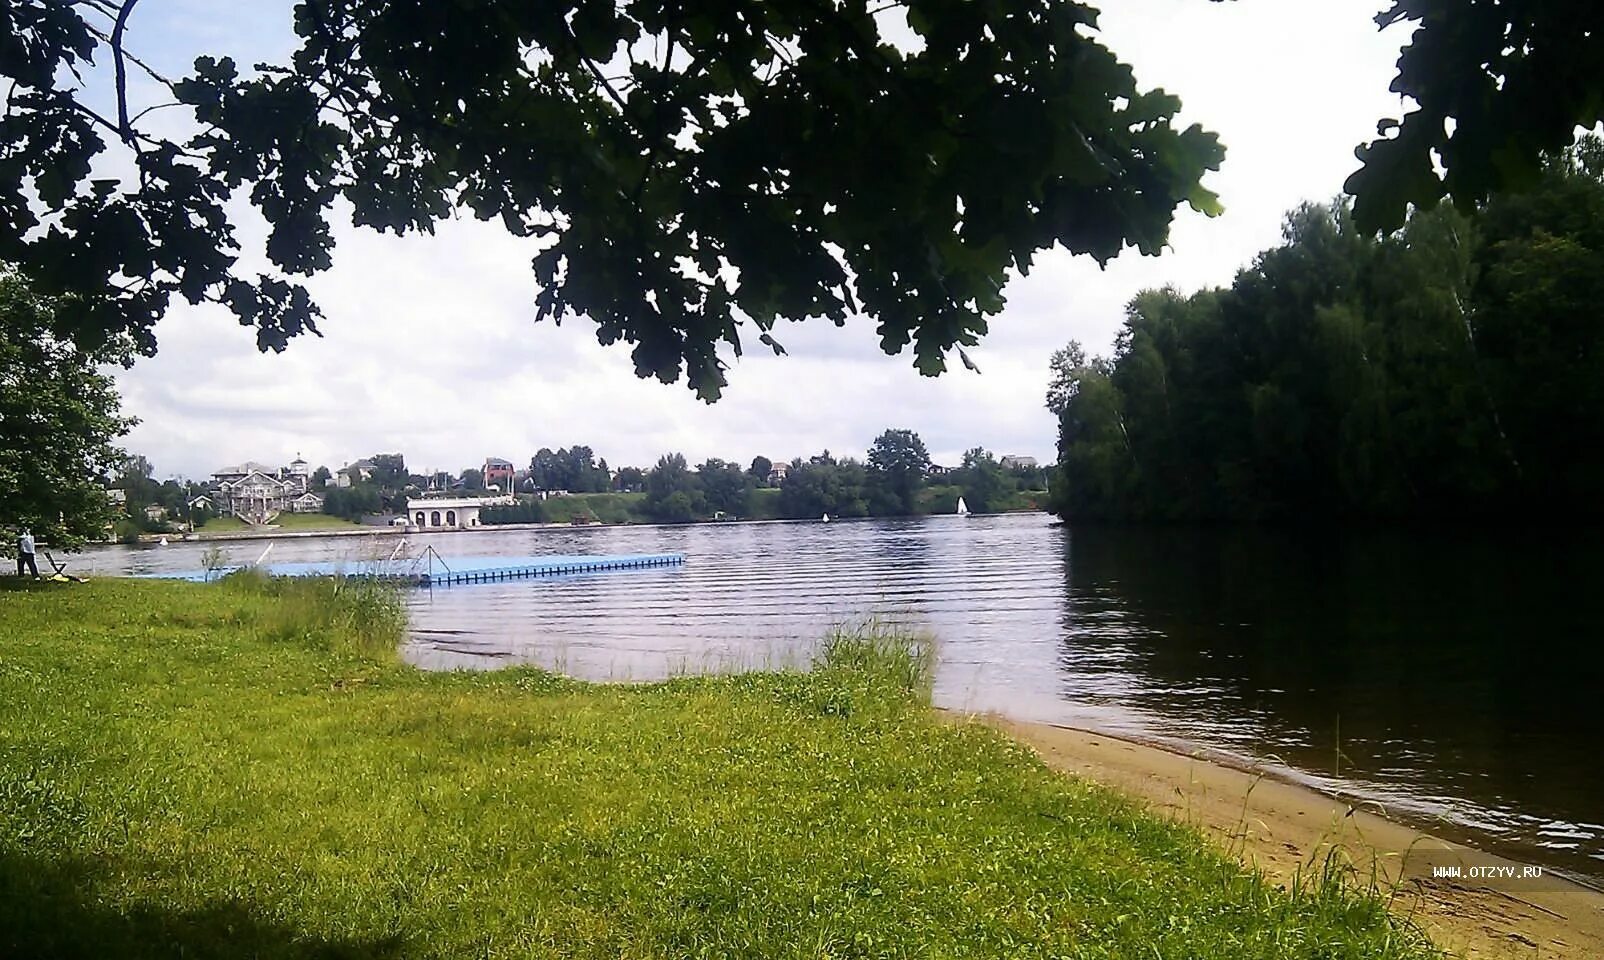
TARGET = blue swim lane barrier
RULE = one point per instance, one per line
(444, 571)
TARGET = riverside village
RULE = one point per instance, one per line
(254, 499)
(801, 480)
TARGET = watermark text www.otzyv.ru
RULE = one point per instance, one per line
(1491, 873)
(1477, 872)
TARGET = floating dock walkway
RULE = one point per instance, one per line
(437, 571)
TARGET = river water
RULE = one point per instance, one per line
(1456, 679)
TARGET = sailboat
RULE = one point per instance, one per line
(162, 542)
(825, 518)
(963, 508)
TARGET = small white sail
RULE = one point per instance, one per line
(162, 542)
(825, 518)
(963, 508)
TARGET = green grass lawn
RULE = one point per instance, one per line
(595, 507)
(243, 769)
(313, 521)
(217, 525)
(285, 522)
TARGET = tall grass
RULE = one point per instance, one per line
(903, 660)
(348, 614)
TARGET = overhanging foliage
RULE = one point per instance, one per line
(686, 171)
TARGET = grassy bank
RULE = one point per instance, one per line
(595, 508)
(313, 521)
(943, 498)
(284, 523)
(243, 769)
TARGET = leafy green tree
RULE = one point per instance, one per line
(1496, 87)
(576, 463)
(900, 461)
(582, 473)
(677, 507)
(818, 487)
(173, 497)
(1094, 455)
(1064, 366)
(760, 469)
(354, 502)
(321, 477)
(682, 161)
(725, 486)
(1027, 478)
(132, 475)
(1538, 339)
(389, 471)
(135, 467)
(569, 468)
(804, 494)
(673, 491)
(1455, 369)
(630, 480)
(473, 479)
(982, 480)
(59, 421)
(546, 470)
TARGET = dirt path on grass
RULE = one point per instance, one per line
(1282, 828)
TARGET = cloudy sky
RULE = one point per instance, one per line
(430, 345)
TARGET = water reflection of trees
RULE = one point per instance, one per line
(1480, 652)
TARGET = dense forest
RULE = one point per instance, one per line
(1452, 369)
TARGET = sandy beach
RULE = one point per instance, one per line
(1495, 908)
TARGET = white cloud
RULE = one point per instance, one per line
(430, 346)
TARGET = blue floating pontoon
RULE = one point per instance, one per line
(440, 571)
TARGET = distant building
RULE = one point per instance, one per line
(256, 493)
(1011, 462)
(359, 472)
(937, 470)
(307, 503)
(155, 513)
(777, 474)
(499, 474)
(460, 513)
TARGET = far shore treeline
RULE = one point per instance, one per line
(1452, 370)
(571, 484)
(895, 479)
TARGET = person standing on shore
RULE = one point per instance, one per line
(25, 548)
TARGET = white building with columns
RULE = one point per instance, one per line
(461, 513)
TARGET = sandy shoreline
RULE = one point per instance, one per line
(1494, 909)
